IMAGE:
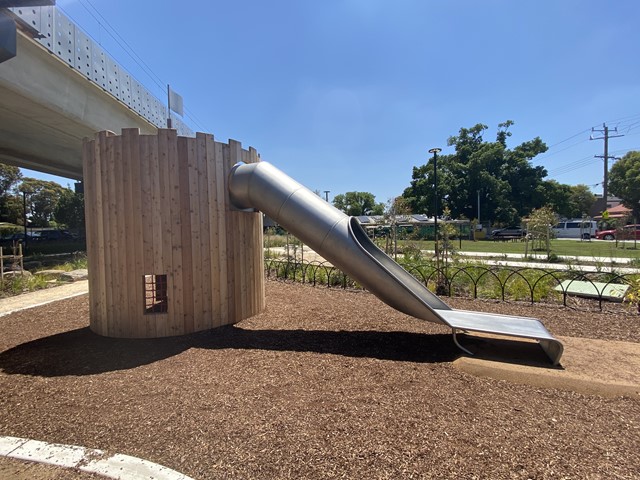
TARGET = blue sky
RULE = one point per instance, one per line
(348, 95)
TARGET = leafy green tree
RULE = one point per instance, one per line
(42, 198)
(14, 209)
(508, 184)
(624, 181)
(557, 197)
(580, 201)
(70, 209)
(358, 203)
(10, 209)
(568, 201)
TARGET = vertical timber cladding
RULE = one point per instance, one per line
(167, 253)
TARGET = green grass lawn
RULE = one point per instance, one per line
(598, 250)
(593, 249)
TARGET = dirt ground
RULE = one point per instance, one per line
(324, 384)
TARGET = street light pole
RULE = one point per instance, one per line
(435, 152)
(24, 216)
(326, 195)
(439, 282)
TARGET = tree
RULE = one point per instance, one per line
(395, 208)
(9, 178)
(70, 209)
(42, 197)
(624, 181)
(580, 201)
(568, 201)
(358, 203)
(510, 186)
(540, 227)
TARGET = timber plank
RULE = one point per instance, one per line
(240, 242)
(229, 229)
(258, 251)
(128, 240)
(109, 153)
(158, 207)
(205, 230)
(91, 182)
(218, 238)
(185, 232)
(145, 209)
(99, 148)
(165, 193)
(177, 327)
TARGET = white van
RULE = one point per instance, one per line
(576, 228)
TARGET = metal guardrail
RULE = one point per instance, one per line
(491, 282)
(60, 36)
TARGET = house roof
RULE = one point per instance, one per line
(618, 211)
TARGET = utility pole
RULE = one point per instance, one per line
(606, 135)
(326, 195)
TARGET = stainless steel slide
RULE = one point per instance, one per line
(342, 241)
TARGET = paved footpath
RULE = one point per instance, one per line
(42, 297)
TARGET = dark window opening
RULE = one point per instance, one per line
(155, 294)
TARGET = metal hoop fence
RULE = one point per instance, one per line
(499, 282)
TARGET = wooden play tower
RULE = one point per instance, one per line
(168, 255)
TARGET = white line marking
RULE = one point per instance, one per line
(117, 466)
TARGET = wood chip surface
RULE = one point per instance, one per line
(323, 384)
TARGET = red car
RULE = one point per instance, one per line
(628, 232)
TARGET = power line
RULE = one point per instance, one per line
(573, 165)
(632, 126)
(128, 49)
(569, 138)
(544, 157)
(134, 55)
(570, 167)
(628, 117)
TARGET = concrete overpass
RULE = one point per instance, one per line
(61, 87)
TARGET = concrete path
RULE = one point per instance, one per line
(42, 297)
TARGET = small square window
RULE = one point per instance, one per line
(155, 294)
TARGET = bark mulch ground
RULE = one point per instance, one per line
(323, 384)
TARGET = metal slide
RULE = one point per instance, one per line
(342, 241)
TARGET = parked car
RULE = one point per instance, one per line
(9, 240)
(628, 232)
(52, 235)
(510, 232)
(576, 228)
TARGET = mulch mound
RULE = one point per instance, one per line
(323, 384)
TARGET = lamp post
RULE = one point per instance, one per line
(440, 289)
(24, 216)
(435, 152)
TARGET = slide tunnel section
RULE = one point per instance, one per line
(341, 240)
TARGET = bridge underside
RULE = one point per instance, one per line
(47, 108)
